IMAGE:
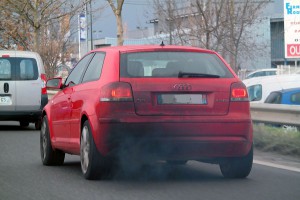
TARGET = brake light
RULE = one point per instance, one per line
(239, 92)
(117, 91)
(5, 56)
(44, 80)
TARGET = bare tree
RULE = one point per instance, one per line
(55, 46)
(117, 9)
(39, 13)
(241, 16)
(14, 31)
(42, 26)
(223, 25)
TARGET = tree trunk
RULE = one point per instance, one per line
(36, 34)
(119, 30)
(36, 40)
(118, 13)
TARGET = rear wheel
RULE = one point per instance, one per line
(38, 125)
(48, 155)
(92, 162)
(24, 123)
(237, 167)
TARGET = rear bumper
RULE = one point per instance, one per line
(176, 141)
(26, 115)
(30, 116)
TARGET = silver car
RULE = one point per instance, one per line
(23, 93)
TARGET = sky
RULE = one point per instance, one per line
(138, 13)
(135, 13)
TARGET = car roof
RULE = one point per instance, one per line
(128, 48)
(263, 70)
(272, 79)
(17, 53)
(288, 90)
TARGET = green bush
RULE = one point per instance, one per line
(280, 140)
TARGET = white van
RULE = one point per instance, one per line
(23, 91)
(259, 88)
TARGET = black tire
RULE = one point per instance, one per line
(48, 155)
(38, 125)
(177, 162)
(93, 164)
(237, 167)
(24, 124)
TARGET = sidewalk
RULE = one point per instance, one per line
(277, 160)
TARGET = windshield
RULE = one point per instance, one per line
(173, 64)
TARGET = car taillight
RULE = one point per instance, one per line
(239, 92)
(117, 91)
(44, 80)
(5, 56)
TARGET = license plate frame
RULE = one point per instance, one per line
(182, 99)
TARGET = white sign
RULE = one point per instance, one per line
(292, 28)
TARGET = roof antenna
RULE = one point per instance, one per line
(162, 44)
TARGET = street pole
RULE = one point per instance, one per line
(79, 38)
(87, 41)
(91, 19)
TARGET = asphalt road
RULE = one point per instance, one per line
(22, 176)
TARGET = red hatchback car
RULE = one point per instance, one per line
(169, 103)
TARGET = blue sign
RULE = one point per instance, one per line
(292, 9)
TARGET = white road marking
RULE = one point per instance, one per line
(269, 164)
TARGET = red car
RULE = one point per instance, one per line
(169, 103)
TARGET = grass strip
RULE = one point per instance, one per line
(279, 140)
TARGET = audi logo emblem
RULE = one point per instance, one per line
(182, 87)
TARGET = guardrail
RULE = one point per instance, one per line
(263, 113)
(275, 114)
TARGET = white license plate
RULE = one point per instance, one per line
(182, 99)
(5, 100)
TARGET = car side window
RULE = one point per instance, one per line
(76, 73)
(274, 98)
(255, 92)
(94, 69)
(295, 98)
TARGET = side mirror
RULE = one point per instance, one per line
(54, 83)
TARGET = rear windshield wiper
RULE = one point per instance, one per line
(196, 75)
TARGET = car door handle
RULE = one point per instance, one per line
(6, 87)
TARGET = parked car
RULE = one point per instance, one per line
(262, 72)
(285, 96)
(146, 103)
(23, 92)
(259, 88)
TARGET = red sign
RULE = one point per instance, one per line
(293, 50)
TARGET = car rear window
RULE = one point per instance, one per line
(5, 70)
(18, 69)
(170, 64)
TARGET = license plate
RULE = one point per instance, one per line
(5, 100)
(182, 99)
